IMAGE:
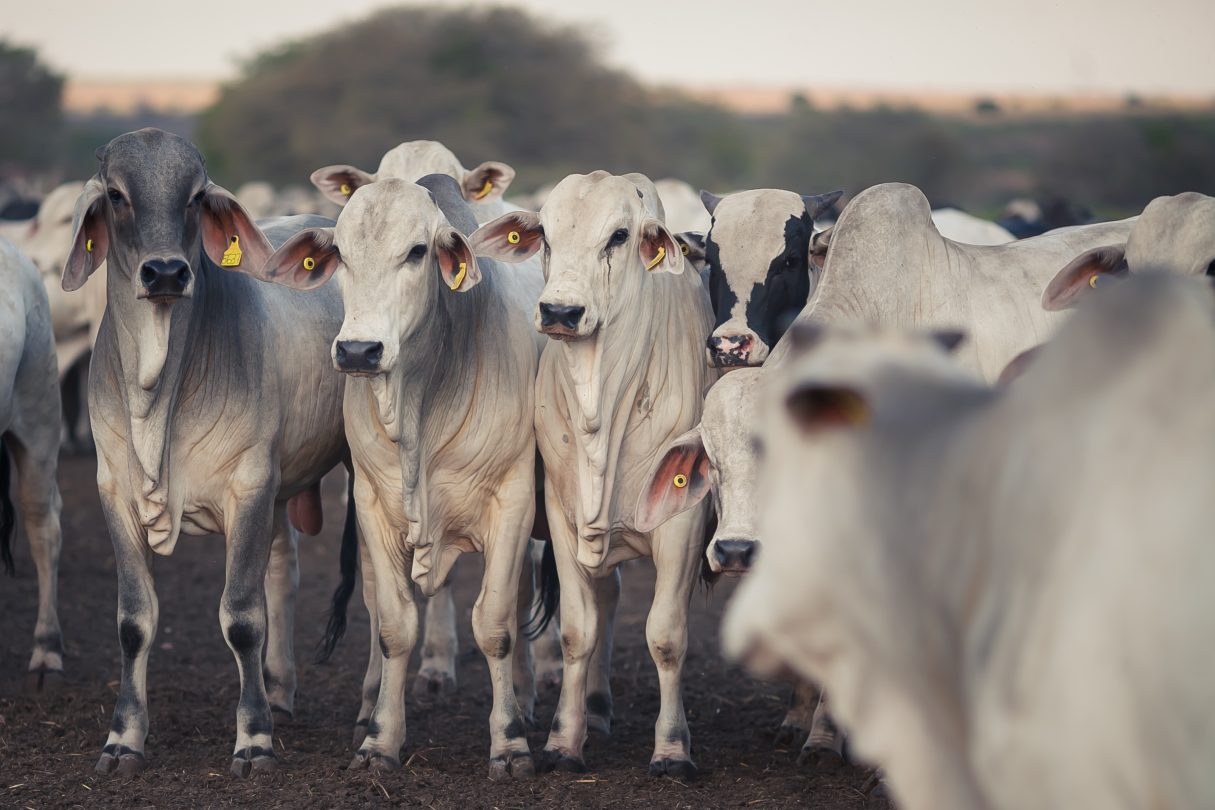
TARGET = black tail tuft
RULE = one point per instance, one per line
(349, 564)
(7, 513)
(708, 577)
(550, 594)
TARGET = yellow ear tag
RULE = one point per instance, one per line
(88, 245)
(485, 189)
(346, 190)
(459, 279)
(513, 237)
(1092, 281)
(658, 257)
(232, 255)
(684, 249)
(309, 263)
(680, 481)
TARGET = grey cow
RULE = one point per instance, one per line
(29, 434)
(212, 405)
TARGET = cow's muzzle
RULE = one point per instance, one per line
(734, 557)
(730, 350)
(559, 321)
(359, 357)
(163, 281)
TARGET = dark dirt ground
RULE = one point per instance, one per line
(49, 744)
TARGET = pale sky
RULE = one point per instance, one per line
(982, 46)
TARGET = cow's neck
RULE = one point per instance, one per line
(605, 372)
(153, 347)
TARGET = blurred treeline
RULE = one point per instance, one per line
(500, 84)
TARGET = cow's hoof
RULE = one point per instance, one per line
(512, 766)
(681, 769)
(790, 734)
(432, 684)
(598, 724)
(44, 682)
(360, 731)
(120, 760)
(370, 760)
(557, 761)
(252, 760)
(823, 760)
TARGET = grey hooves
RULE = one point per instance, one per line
(369, 760)
(789, 734)
(248, 761)
(520, 767)
(557, 761)
(120, 761)
(44, 682)
(681, 769)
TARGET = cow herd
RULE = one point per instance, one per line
(975, 520)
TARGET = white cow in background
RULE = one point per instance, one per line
(1006, 592)
(969, 229)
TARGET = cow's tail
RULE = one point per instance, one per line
(550, 594)
(7, 513)
(349, 564)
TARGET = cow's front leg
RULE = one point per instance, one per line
(138, 614)
(824, 747)
(371, 679)
(676, 563)
(524, 674)
(242, 617)
(599, 690)
(282, 583)
(440, 645)
(579, 634)
(398, 631)
(38, 495)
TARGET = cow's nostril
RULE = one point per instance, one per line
(147, 275)
(358, 355)
(557, 315)
(735, 555)
(183, 276)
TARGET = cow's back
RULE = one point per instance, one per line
(27, 356)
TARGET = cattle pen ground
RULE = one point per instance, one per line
(49, 744)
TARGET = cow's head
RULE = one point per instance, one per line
(717, 455)
(760, 275)
(599, 235)
(395, 253)
(412, 161)
(152, 211)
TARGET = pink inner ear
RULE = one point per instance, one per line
(662, 499)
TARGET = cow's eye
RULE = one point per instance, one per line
(619, 237)
(116, 196)
(416, 253)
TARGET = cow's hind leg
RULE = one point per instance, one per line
(599, 688)
(34, 457)
(371, 678)
(242, 616)
(521, 654)
(824, 747)
(798, 719)
(545, 648)
(676, 562)
(282, 584)
(440, 645)
(138, 614)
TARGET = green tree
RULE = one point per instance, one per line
(30, 106)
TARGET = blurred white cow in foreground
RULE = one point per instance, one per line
(1006, 592)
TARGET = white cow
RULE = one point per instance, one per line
(441, 372)
(682, 205)
(969, 229)
(1007, 592)
(622, 376)
(29, 438)
(1172, 235)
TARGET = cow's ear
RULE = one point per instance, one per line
(512, 237)
(820, 243)
(659, 250)
(818, 204)
(230, 239)
(692, 246)
(1085, 272)
(305, 261)
(90, 237)
(457, 262)
(709, 200)
(677, 481)
(814, 407)
(337, 183)
(488, 181)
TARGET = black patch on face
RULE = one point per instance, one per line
(242, 638)
(777, 301)
(515, 729)
(130, 637)
(599, 704)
